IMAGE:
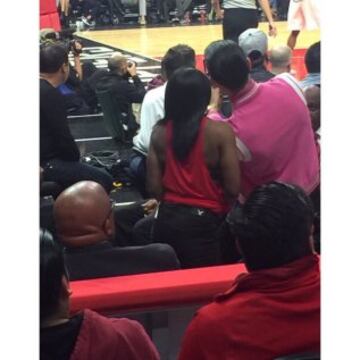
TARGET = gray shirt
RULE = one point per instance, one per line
(245, 4)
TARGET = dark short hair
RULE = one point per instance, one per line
(187, 96)
(256, 58)
(312, 58)
(52, 57)
(52, 269)
(226, 63)
(176, 57)
(273, 227)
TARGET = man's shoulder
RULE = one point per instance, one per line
(283, 83)
(114, 334)
(47, 90)
(97, 320)
(155, 95)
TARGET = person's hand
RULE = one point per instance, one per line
(150, 206)
(272, 29)
(131, 68)
(219, 13)
(77, 48)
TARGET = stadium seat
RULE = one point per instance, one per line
(49, 17)
(115, 121)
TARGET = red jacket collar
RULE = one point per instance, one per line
(297, 272)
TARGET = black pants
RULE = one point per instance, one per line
(132, 227)
(237, 20)
(192, 232)
(67, 173)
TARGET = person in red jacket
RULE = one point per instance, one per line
(86, 335)
(274, 310)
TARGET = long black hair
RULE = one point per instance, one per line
(187, 96)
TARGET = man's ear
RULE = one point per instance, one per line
(248, 62)
(64, 68)
(65, 287)
(109, 226)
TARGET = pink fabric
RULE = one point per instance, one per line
(110, 338)
(272, 121)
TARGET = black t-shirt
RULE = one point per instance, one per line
(57, 342)
(56, 140)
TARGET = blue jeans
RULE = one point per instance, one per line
(138, 171)
(67, 173)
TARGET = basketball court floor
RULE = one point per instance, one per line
(154, 42)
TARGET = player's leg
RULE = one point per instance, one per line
(296, 21)
(291, 42)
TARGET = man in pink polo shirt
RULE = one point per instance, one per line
(271, 122)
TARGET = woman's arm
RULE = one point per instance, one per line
(229, 162)
(154, 171)
(267, 10)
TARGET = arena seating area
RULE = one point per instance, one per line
(179, 221)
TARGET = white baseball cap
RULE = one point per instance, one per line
(253, 40)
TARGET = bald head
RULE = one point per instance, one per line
(117, 62)
(83, 215)
(280, 59)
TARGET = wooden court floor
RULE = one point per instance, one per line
(154, 42)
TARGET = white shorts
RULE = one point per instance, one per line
(303, 14)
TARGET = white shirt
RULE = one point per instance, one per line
(234, 4)
(152, 110)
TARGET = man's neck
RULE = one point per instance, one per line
(243, 91)
(52, 80)
(279, 70)
(62, 316)
(74, 242)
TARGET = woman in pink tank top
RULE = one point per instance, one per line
(192, 170)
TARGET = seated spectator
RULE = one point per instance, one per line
(280, 59)
(116, 81)
(86, 335)
(193, 170)
(313, 66)
(254, 44)
(87, 9)
(84, 222)
(284, 147)
(70, 89)
(152, 109)
(88, 89)
(274, 309)
(59, 155)
(312, 95)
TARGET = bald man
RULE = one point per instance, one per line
(84, 221)
(116, 81)
(280, 59)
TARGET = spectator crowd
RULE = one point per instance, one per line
(228, 164)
